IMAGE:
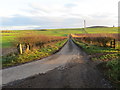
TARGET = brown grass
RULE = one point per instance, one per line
(6, 31)
(37, 41)
(115, 36)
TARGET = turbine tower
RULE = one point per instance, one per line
(85, 26)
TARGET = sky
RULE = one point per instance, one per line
(36, 14)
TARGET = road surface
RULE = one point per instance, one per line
(69, 68)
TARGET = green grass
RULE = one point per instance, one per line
(111, 70)
(7, 41)
(62, 32)
(92, 49)
(102, 30)
(118, 45)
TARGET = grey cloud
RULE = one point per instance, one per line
(41, 21)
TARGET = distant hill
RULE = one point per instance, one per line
(43, 29)
(98, 27)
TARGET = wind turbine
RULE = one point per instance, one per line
(85, 26)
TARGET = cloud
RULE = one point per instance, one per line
(44, 22)
(39, 9)
(59, 14)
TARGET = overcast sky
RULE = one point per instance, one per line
(28, 14)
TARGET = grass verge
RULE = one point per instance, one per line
(16, 59)
(110, 65)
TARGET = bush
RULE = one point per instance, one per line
(100, 41)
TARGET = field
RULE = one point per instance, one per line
(8, 37)
(37, 44)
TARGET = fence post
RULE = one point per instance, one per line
(20, 48)
(90, 42)
(112, 43)
(27, 47)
